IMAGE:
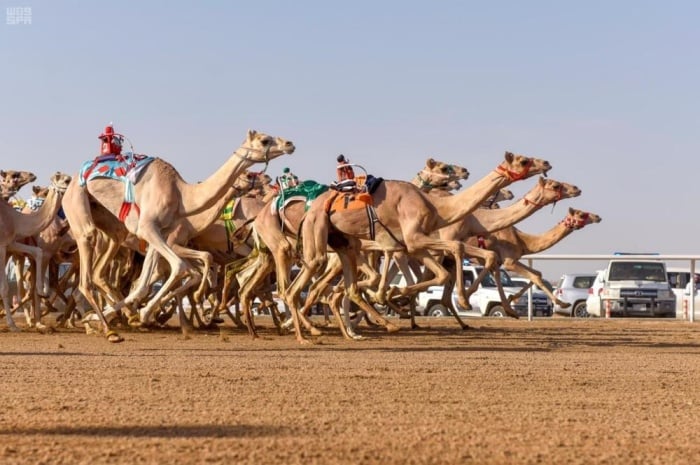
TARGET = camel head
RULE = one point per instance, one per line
(577, 219)
(516, 167)
(60, 181)
(440, 175)
(249, 181)
(548, 191)
(500, 196)
(39, 194)
(11, 181)
(261, 148)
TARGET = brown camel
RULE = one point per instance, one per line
(405, 219)
(276, 232)
(479, 222)
(484, 221)
(511, 244)
(162, 197)
(11, 181)
(15, 226)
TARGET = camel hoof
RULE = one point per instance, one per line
(15, 329)
(114, 337)
(304, 341)
(357, 337)
(134, 321)
(564, 304)
(43, 329)
(464, 304)
(315, 331)
(391, 328)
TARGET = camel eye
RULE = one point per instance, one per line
(265, 142)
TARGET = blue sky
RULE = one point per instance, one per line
(607, 91)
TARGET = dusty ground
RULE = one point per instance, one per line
(551, 391)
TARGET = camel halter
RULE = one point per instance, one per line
(572, 223)
(428, 184)
(503, 170)
(55, 187)
(247, 156)
(559, 190)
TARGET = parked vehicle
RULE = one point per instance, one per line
(485, 301)
(541, 305)
(634, 288)
(573, 288)
(678, 279)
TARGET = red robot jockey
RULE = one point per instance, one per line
(111, 143)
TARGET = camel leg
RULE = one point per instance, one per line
(504, 300)
(5, 291)
(535, 277)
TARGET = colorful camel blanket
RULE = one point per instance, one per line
(126, 168)
(226, 216)
(306, 191)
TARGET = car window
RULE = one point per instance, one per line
(583, 282)
(622, 271)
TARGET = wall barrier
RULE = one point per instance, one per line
(691, 259)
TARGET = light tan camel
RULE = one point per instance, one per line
(405, 219)
(50, 240)
(162, 197)
(511, 244)
(106, 270)
(15, 226)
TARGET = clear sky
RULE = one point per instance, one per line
(607, 91)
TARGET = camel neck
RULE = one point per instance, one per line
(199, 197)
(535, 243)
(486, 221)
(453, 208)
(29, 224)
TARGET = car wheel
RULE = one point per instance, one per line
(497, 311)
(579, 310)
(437, 310)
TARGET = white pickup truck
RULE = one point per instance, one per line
(632, 288)
(486, 300)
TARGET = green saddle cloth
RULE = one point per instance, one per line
(308, 189)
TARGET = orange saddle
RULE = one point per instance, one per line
(348, 201)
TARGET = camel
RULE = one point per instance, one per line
(439, 175)
(276, 233)
(480, 222)
(511, 244)
(484, 221)
(105, 274)
(15, 226)
(405, 220)
(11, 181)
(162, 198)
(50, 240)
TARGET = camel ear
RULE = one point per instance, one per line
(571, 211)
(430, 162)
(2, 173)
(541, 181)
(36, 189)
(251, 133)
(509, 157)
